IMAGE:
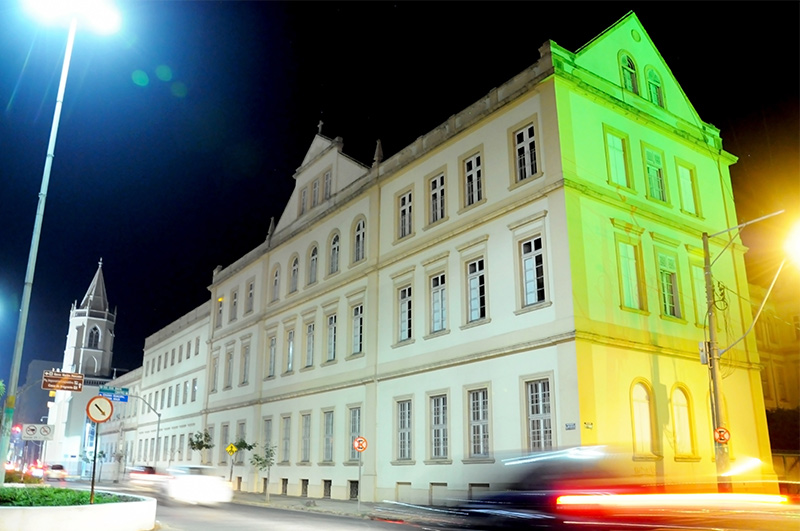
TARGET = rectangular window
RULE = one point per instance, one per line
(405, 313)
(405, 225)
(327, 186)
(327, 446)
(476, 289)
(268, 433)
(437, 198)
(169, 396)
(272, 352)
(303, 194)
(309, 344)
(355, 430)
(617, 150)
(700, 299)
(181, 442)
(631, 288)
(358, 328)
(194, 389)
(289, 351)
(439, 427)
(314, 193)
(285, 438)
(251, 294)
(163, 397)
(687, 185)
(331, 334)
(655, 175)
(404, 430)
(224, 436)
(525, 146)
(479, 423)
(209, 455)
(438, 303)
(228, 370)
(197, 346)
(214, 370)
(241, 435)
(305, 449)
(219, 313)
(473, 180)
(172, 358)
(245, 364)
(234, 306)
(185, 391)
(188, 349)
(533, 270)
(180, 353)
(668, 281)
(540, 431)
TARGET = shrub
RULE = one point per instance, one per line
(51, 497)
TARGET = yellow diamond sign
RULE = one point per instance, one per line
(231, 449)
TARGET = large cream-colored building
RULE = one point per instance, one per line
(527, 275)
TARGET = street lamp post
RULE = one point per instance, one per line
(712, 348)
(104, 18)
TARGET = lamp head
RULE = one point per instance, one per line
(98, 15)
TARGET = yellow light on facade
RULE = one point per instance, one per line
(792, 244)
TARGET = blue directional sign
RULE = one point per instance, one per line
(115, 394)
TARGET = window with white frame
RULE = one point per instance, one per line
(285, 438)
(289, 350)
(224, 434)
(533, 270)
(305, 442)
(241, 435)
(185, 391)
(479, 422)
(668, 283)
(331, 337)
(629, 81)
(228, 369)
(654, 88)
(686, 182)
(251, 294)
(245, 364)
(309, 344)
(476, 290)
(404, 430)
(438, 303)
(303, 194)
(617, 152)
(439, 427)
(354, 429)
(234, 310)
(334, 255)
(473, 180)
(314, 193)
(405, 221)
(276, 284)
(404, 300)
(437, 198)
(525, 148)
(360, 241)
(681, 423)
(655, 174)
(169, 396)
(358, 328)
(219, 322)
(214, 370)
(631, 289)
(540, 431)
(194, 389)
(94, 338)
(327, 444)
(273, 347)
(327, 185)
(312, 266)
(642, 420)
(295, 274)
(268, 433)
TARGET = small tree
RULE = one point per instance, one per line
(241, 446)
(264, 462)
(200, 441)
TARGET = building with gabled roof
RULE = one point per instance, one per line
(526, 276)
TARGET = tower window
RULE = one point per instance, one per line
(94, 338)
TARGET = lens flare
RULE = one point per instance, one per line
(140, 78)
(179, 90)
(164, 73)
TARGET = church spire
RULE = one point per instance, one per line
(96, 298)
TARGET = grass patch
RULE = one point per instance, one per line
(54, 497)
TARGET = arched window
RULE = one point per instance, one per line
(312, 266)
(681, 423)
(360, 236)
(654, 88)
(276, 284)
(629, 74)
(94, 338)
(334, 262)
(295, 274)
(642, 420)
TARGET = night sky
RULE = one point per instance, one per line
(169, 174)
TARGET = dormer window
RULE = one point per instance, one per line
(629, 74)
(327, 185)
(295, 274)
(303, 194)
(654, 88)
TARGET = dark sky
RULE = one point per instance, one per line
(165, 187)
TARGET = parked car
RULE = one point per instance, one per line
(55, 472)
(197, 484)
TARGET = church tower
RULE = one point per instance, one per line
(90, 339)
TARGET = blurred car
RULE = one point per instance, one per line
(145, 477)
(36, 471)
(55, 472)
(197, 484)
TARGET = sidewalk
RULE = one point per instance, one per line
(296, 503)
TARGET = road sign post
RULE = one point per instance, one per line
(359, 445)
(99, 409)
(231, 449)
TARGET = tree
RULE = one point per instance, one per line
(241, 446)
(264, 462)
(200, 441)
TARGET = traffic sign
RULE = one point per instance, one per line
(117, 394)
(722, 435)
(231, 449)
(62, 381)
(37, 432)
(359, 444)
(99, 409)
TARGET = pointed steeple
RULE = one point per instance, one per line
(96, 298)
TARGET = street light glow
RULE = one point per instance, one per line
(792, 244)
(98, 15)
